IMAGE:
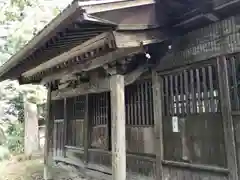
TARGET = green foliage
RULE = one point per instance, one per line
(14, 10)
(15, 138)
(23, 19)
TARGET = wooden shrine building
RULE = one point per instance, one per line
(139, 89)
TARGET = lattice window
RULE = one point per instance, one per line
(75, 118)
(192, 122)
(191, 91)
(139, 105)
(100, 108)
(79, 107)
(99, 117)
(139, 117)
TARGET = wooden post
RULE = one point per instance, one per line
(118, 127)
(230, 147)
(48, 149)
(158, 122)
(65, 124)
(86, 131)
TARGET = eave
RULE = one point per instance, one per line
(96, 52)
(56, 38)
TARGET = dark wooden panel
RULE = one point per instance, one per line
(140, 139)
(203, 140)
(175, 173)
(138, 165)
(76, 132)
(57, 109)
(100, 160)
(99, 137)
(75, 154)
(143, 166)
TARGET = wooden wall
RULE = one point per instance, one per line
(194, 143)
(99, 117)
(179, 173)
(58, 132)
(139, 118)
(216, 39)
(234, 75)
(195, 149)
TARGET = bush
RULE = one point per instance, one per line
(15, 138)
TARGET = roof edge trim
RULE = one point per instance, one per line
(40, 38)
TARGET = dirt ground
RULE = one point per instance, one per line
(32, 170)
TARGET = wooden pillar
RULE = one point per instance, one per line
(86, 131)
(48, 149)
(158, 122)
(65, 125)
(230, 147)
(118, 127)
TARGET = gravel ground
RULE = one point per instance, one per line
(33, 170)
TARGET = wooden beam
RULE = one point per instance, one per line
(48, 147)
(87, 46)
(225, 101)
(101, 85)
(94, 63)
(127, 39)
(118, 127)
(157, 88)
(212, 17)
(86, 130)
(93, 7)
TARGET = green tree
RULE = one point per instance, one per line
(22, 19)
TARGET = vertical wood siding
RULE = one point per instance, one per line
(58, 131)
(99, 117)
(75, 119)
(174, 173)
(191, 97)
(139, 117)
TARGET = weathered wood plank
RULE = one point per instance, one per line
(65, 126)
(97, 7)
(101, 85)
(189, 166)
(137, 38)
(118, 127)
(228, 126)
(94, 63)
(157, 83)
(48, 149)
(86, 130)
(176, 171)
